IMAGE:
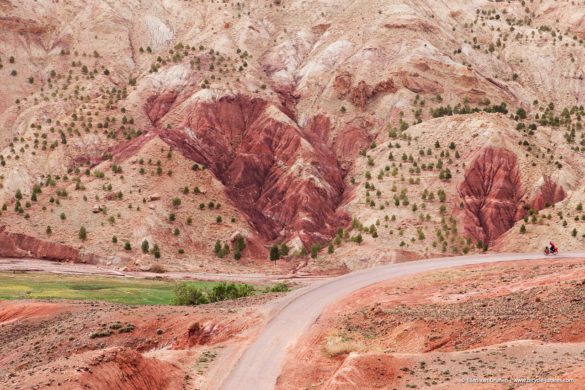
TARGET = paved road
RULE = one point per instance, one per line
(259, 366)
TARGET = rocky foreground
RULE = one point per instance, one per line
(520, 320)
(73, 344)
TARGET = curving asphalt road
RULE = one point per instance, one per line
(259, 366)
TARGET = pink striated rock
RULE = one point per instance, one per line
(158, 105)
(362, 93)
(352, 138)
(284, 178)
(492, 194)
(548, 194)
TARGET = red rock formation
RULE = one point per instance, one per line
(352, 138)
(318, 129)
(385, 86)
(320, 29)
(362, 93)
(125, 149)
(359, 95)
(342, 84)
(413, 25)
(23, 246)
(158, 105)
(285, 181)
(416, 83)
(199, 334)
(22, 26)
(289, 99)
(127, 369)
(492, 194)
(548, 194)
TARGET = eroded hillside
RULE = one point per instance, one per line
(356, 132)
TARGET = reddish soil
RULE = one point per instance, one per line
(74, 345)
(137, 372)
(21, 245)
(521, 320)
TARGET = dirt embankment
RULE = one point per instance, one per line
(74, 345)
(521, 320)
(23, 246)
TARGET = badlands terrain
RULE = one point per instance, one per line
(153, 137)
(388, 129)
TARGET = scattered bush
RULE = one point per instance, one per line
(284, 249)
(239, 245)
(82, 233)
(278, 287)
(145, 246)
(315, 248)
(127, 329)
(188, 294)
(101, 333)
(156, 251)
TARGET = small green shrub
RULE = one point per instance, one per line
(188, 294)
(278, 287)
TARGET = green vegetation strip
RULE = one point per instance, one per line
(95, 288)
(118, 290)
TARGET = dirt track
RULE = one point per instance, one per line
(34, 265)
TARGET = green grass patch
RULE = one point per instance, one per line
(94, 288)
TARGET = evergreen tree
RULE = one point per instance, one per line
(145, 246)
(284, 249)
(156, 251)
(274, 253)
(82, 233)
(217, 247)
(314, 251)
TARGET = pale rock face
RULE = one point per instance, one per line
(174, 77)
(295, 245)
(17, 179)
(327, 59)
(160, 33)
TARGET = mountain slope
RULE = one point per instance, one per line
(288, 107)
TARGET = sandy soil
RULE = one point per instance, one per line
(43, 266)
